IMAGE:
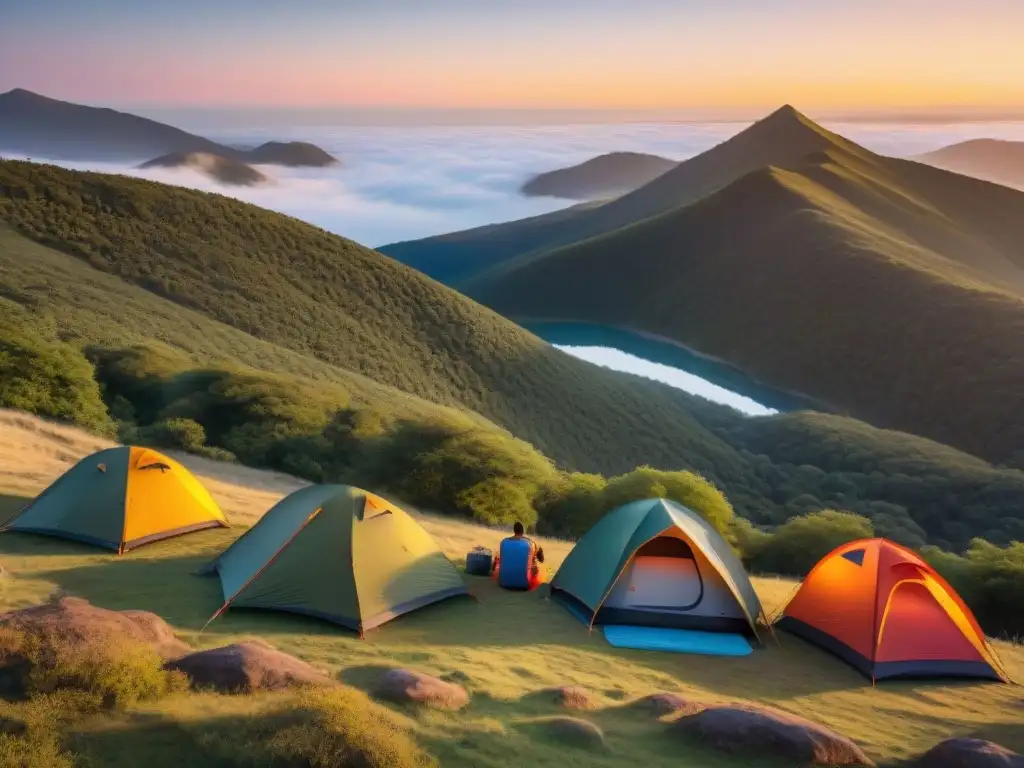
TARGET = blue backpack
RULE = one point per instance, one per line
(514, 563)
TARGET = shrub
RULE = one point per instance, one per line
(184, 434)
(322, 729)
(498, 501)
(574, 504)
(991, 581)
(50, 379)
(795, 546)
(110, 675)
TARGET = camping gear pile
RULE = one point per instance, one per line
(480, 562)
(651, 575)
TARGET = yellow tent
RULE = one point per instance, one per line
(121, 498)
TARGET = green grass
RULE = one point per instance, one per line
(506, 647)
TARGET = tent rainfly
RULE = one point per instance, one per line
(337, 553)
(886, 612)
(656, 563)
(121, 498)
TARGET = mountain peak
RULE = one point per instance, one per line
(787, 113)
(23, 95)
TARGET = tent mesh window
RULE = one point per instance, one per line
(666, 546)
(855, 556)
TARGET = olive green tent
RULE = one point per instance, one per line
(336, 553)
(657, 563)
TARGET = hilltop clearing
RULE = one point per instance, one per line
(511, 651)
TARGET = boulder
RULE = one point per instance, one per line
(753, 731)
(969, 753)
(246, 667)
(75, 622)
(662, 704)
(404, 686)
(570, 697)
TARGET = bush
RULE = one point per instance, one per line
(990, 579)
(109, 675)
(50, 379)
(183, 434)
(575, 503)
(498, 501)
(796, 546)
(322, 729)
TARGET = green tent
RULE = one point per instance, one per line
(657, 563)
(337, 553)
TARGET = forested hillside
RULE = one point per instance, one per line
(117, 328)
(883, 288)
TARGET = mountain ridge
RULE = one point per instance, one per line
(608, 175)
(784, 135)
(833, 232)
(996, 160)
(37, 125)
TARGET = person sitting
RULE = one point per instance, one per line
(518, 560)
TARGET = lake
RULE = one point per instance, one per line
(672, 363)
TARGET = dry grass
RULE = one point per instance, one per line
(504, 649)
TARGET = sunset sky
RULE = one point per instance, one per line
(518, 53)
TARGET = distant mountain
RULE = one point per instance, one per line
(993, 160)
(219, 168)
(784, 136)
(601, 177)
(35, 125)
(885, 288)
(293, 153)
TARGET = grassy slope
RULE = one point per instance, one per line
(883, 287)
(510, 645)
(329, 301)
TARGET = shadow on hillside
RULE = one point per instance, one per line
(146, 739)
(167, 586)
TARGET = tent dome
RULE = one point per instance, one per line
(337, 553)
(885, 611)
(121, 498)
(656, 563)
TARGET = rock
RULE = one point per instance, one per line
(247, 667)
(753, 731)
(669, 704)
(75, 622)
(574, 731)
(403, 686)
(571, 697)
(969, 753)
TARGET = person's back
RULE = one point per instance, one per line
(517, 557)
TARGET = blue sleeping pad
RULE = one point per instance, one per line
(514, 564)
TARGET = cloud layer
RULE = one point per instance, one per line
(402, 183)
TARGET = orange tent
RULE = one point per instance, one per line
(885, 611)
